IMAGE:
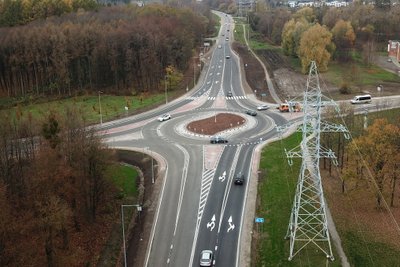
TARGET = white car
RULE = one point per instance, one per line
(263, 107)
(219, 46)
(206, 258)
(164, 117)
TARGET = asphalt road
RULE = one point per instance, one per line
(200, 207)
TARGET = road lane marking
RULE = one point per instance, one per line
(211, 224)
(231, 225)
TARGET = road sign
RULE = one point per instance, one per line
(259, 220)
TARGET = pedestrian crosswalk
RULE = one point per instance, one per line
(206, 182)
(211, 98)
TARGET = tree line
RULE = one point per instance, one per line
(53, 190)
(328, 33)
(19, 12)
(117, 49)
(370, 161)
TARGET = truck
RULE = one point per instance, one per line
(290, 107)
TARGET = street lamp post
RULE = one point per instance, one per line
(152, 165)
(101, 116)
(166, 95)
(139, 209)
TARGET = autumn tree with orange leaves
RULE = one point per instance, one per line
(375, 160)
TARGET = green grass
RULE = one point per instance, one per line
(275, 198)
(362, 253)
(124, 177)
(217, 19)
(359, 74)
(275, 194)
(111, 106)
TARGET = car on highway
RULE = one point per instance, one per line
(239, 179)
(229, 94)
(219, 46)
(206, 258)
(263, 107)
(227, 56)
(226, 39)
(218, 140)
(251, 112)
(164, 117)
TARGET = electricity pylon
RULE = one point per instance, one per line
(308, 223)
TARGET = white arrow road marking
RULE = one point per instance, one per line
(211, 224)
(231, 225)
(222, 177)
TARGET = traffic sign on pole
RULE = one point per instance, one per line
(259, 220)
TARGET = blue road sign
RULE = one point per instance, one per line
(259, 220)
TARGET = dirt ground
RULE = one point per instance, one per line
(213, 125)
(289, 83)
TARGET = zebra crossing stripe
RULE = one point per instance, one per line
(206, 181)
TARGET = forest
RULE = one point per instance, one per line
(52, 191)
(120, 50)
(57, 205)
(328, 33)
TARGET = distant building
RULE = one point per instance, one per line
(394, 49)
(317, 3)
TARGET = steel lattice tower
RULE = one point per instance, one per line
(308, 221)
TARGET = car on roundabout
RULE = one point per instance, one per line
(251, 112)
(218, 140)
(263, 107)
(164, 117)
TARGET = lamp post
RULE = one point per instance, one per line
(101, 116)
(139, 209)
(166, 95)
(152, 164)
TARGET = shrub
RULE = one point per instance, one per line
(345, 89)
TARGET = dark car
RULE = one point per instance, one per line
(229, 94)
(218, 140)
(251, 112)
(239, 179)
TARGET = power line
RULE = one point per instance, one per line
(308, 220)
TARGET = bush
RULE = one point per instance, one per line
(345, 89)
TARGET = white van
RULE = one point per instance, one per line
(361, 99)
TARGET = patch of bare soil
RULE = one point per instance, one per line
(216, 124)
(287, 82)
(356, 210)
(254, 72)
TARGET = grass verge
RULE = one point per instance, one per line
(112, 107)
(275, 197)
(124, 178)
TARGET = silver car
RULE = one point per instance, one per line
(206, 258)
(164, 117)
(263, 107)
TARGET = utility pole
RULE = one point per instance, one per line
(101, 115)
(308, 221)
(166, 95)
